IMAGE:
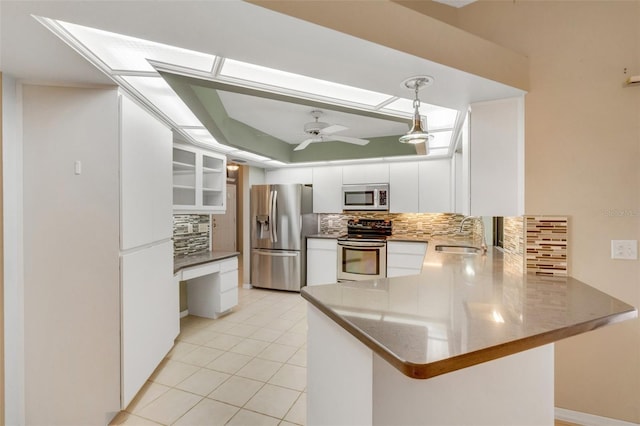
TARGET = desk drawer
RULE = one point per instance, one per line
(229, 264)
(227, 300)
(228, 280)
(200, 270)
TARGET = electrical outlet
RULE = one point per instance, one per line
(624, 249)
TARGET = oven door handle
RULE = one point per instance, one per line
(360, 244)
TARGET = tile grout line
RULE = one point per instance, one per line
(197, 326)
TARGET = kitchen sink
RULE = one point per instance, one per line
(458, 249)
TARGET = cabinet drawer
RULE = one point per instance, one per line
(406, 247)
(229, 264)
(227, 300)
(228, 280)
(322, 243)
(198, 271)
(397, 260)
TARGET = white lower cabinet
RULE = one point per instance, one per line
(405, 258)
(212, 289)
(227, 286)
(322, 261)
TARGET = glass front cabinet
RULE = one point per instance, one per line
(199, 180)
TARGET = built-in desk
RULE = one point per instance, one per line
(212, 281)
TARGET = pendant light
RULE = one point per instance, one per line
(418, 133)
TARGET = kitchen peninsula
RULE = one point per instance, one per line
(468, 341)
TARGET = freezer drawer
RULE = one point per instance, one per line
(276, 269)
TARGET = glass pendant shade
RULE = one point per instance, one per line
(417, 134)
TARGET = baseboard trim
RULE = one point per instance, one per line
(184, 313)
(248, 286)
(586, 419)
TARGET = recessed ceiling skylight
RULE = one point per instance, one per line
(160, 94)
(124, 53)
(440, 140)
(437, 117)
(126, 60)
(300, 83)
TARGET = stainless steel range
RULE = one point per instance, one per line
(362, 252)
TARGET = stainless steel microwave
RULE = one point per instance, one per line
(365, 197)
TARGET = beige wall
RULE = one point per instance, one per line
(583, 160)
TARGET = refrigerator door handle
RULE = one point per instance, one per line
(276, 253)
(274, 206)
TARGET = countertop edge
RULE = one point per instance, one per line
(215, 256)
(436, 368)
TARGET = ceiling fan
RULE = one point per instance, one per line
(323, 132)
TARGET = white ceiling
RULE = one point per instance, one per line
(231, 29)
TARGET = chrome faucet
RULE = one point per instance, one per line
(483, 245)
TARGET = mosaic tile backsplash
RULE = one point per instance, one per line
(413, 224)
(513, 242)
(547, 238)
(190, 233)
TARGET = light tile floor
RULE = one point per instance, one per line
(247, 368)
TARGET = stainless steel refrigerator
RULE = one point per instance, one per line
(281, 218)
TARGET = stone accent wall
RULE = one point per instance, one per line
(190, 233)
(547, 245)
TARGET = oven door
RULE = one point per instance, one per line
(360, 260)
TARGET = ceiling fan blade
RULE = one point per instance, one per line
(334, 128)
(421, 148)
(349, 139)
(304, 144)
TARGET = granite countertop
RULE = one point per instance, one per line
(463, 310)
(187, 260)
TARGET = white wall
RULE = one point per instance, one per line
(13, 277)
(71, 268)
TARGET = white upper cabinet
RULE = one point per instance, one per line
(404, 187)
(365, 173)
(420, 187)
(327, 189)
(145, 177)
(435, 186)
(303, 175)
(199, 180)
(497, 158)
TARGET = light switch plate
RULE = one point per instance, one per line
(624, 249)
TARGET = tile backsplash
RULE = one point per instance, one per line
(547, 240)
(513, 242)
(190, 233)
(414, 224)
